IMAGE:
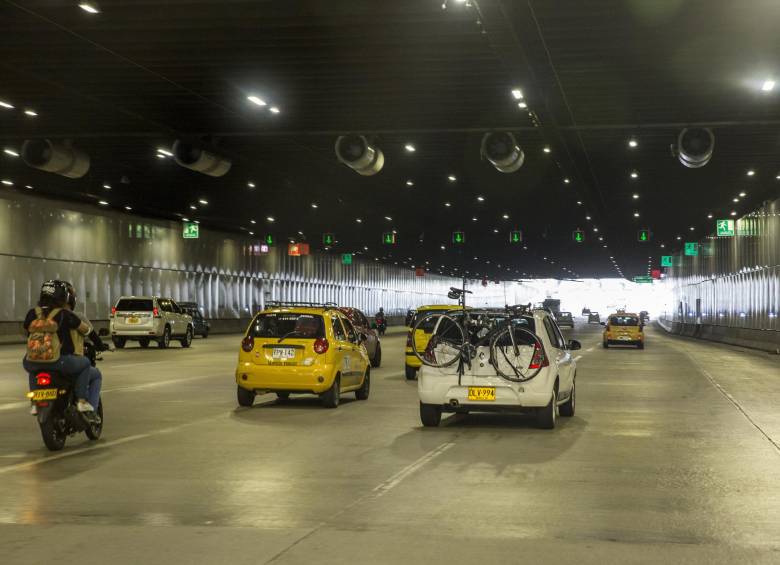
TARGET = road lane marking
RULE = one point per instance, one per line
(384, 487)
(578, 357)
(589, 349)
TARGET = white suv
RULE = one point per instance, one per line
(544, 386)
(149, 318)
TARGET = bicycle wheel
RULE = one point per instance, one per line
(516, 354)
(446, 342)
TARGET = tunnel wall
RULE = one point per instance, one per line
(107, 254)
(730, 292)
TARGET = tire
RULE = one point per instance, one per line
(430, 415)
(187, 340)
(362, 392)
(52, 435)
(93, 431)
(547, 417)
(245, 397)
(283, 396)
(411, 373)
(568, 407)
(144, 342)
(377, 360)
(605, 345)
(330, 398)
(119, 342)
(165, 340)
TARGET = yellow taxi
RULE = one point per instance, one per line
(623, 328)
(290, 349)
(422, 335)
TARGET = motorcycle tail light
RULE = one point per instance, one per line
(321, 345)
(539, 359)
(43, 379)
(248, 343)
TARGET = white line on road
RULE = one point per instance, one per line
(386, 486)
(578, 357)
(589, 349)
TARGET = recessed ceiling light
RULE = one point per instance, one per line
(546, 149)
(90, 7)
(632, 143)
(566, 180)
(447, 204)
(443, 248)
(691, 228)
(6, 105)
(474, 219)
(274, 109)
(203, 201)
(595, 229)
(196, 221)
(31, 113)
(410, 183)
(495, 230)
(517, 94)
(314, 205)
(251, 233)
(388, 218)
(452, 178)
(679, 237)
(164, 152)
(733, 213)
(709, 216)
(635, 196)
(270, 219)
(256, 100)
(587, 218)
(663, 245)
(128, 208)
(522, 105)
(102, 202)
(481, 198)
(10, 152)
(636, 214)
(161, 156)
(253, 222)
(359, 220)
(185, 219)
(579, 202)
(505, 216)
(7, 182)
(768, 85)
(410, 148)
(28, 187)
(250, 184)
(634, 174)
(742, 194)
(751, 172)
(735, 199)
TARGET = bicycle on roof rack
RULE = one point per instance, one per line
(296, 303)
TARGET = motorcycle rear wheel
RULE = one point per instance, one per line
(52, 433)
(93, 431)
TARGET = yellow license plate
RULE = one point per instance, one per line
(133, 321)
(482, 393)
(44, 394)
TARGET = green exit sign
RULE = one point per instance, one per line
(691, 248)
(328, 239)
(643, 235)
(190, 230)
(725, 228)
(458, 237)
(643, 280)
(388, 238)
(515, 236)
(269, 239)
(346, 258)
(578, 236)
(666, 260)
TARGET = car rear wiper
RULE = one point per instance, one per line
(288, 334)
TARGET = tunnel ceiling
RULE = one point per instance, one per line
(138, 75)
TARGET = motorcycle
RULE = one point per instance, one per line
(381, 324)
(57, 415)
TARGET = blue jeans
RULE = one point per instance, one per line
(95, 383)
(74, 367)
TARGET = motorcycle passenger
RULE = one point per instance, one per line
(50, 345)
(95, 376)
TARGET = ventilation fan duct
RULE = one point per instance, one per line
(503, 152)
(194, 157)
(60, 158)
(356, 153)
(694, 147)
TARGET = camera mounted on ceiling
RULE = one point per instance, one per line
(358, 154)
(503, 151)
(58, 157)
(195, 156)
(694, 147)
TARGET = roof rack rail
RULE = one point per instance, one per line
(279, 303)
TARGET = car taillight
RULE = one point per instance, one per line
(539, 359)
(321, 345)
(113, 311)
(155, 312)
(43, 379)
(248, 343)
(409, 339)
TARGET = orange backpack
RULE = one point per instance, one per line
(43, 342)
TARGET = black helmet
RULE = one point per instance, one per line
(71, 295)
(54, 293)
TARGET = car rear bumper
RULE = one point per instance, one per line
(150, 333)
(316, 379)
(446, 392)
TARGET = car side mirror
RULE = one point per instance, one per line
(574, 345)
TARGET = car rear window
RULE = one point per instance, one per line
(288, 324)
(564, 314)
(623, 321)
(432, 316)
(134, 305)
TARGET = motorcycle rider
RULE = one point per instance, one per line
(52, 303)
(381, 322)
(95, 376)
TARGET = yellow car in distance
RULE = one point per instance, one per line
(289, 349)
(422, 335)
(623, 329)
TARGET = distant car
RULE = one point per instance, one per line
(593, 318)
(362, 325)
(409, 317)
(149, 318)
(585, 311)
(624, 329)
(564, 319)
(199, 323)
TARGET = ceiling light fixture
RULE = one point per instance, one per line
(253, 222)
(274, 110)
(250, 184)
(452, 178)
(7, 182)
(193, 207)
(204, 202)
(410, 148)
(106, 186)
(314, 205)
(522, 105)
(128, 208)
(634, 174)
(546, 149)
(28, 187)
(709, 216)
(751, 172)
(566, 180)
(447, 204)
(410, 183)
(517, 94)
(359, 220)
(768, 85)
(6, 105)
(270, 219)
(256, 100)
(632, 143)
(636, 214)
(733, 212)
(102, 202)
(164, 152)
(31, 113)
(692, 228)
(635, 196)
(10, 152)
(742, 194)
(90, 7)
(388, 218)
(735, 199)
(481, 198)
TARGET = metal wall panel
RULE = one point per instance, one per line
(734, 281)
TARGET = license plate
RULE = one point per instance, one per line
(133, 321)
(283, 353)
(624, 338)
(482, 393)
(44, 394)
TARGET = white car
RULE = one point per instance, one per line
(546, 359)
(149, 318)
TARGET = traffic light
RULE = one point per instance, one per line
(388, 238)
(515, 236)
(578, 236)
(269, 239)
(643, 235)
(328, 239)
(458, 237)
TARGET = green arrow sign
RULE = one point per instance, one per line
(458, 237)
(190, 230)
(691, 248)
(725, 228)
(515, 236)
(346, 259)
(643, 235)
(269, 239)
(578, 236)
(388, 238)
(666, 260)
(328, 239)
